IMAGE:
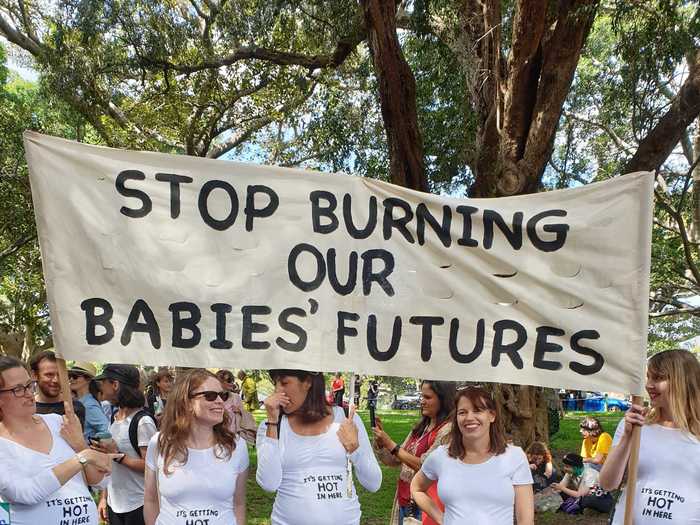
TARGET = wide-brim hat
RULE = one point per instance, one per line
(84, 368)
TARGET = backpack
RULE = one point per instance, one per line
(134, 428)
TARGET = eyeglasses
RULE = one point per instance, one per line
(210, 395)
(21, 390)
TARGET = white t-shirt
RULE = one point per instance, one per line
(668, 478)
(309, 474)
(480, 494)
(125, 490)
(33, 491)
(202, 489)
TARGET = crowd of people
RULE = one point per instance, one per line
(173, 450)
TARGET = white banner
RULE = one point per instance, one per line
(174, 260)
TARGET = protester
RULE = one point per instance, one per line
(196, 469)
(480, 479)
(372, 394)
(82, 382)
(303, 452)
(44, 463)
(157, 397)
(580, 488)
(242, 423)
(434, 427)
(338, 389)
(249, 391)
(596, 443)
(668, 485)
(358, 385)
(122, 501)
(48, 396)
(541, 466)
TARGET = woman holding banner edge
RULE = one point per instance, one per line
(480, 478)
(303, 452)
(668, 486)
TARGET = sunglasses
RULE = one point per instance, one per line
(74, 375)
(21, 390)
(210, 395)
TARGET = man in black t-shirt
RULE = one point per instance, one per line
(48, 396)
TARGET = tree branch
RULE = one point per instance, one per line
(621, 144)
(16, 246)
(678, 311)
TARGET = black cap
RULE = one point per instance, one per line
(125, 374)
(573, 460)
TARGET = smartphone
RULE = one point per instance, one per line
(372, 418)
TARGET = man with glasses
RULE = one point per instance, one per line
(82, 382)
(48, 397)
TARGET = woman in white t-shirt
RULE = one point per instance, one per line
(480, 479)
(668, 485)
(196, 468)
(44, 462)
(305, 449)
(121, 503)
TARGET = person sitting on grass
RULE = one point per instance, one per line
(580, 488)
(596, 443)
(543, 471)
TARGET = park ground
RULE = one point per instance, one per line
(376, 508)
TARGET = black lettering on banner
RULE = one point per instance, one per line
(251, 212)
(345, 330)
(399, 223)
(466, 239)
(514, 236)
(598, 360)
(374, 351)
(354, 232)
(442, 230)
(510, 349)
(543, 346)
(293, 273)
(187, 323)
(369, 276)
(327, 212)
(349, 286)
(93, 320)
(426, 341)
(560, 231)
(203, 204)
(292, 328)
(175, 181)
(221, 343)
(478, 344)
(250, 327)
(148, 326)
(146, 204)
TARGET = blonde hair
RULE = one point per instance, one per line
(177, 422)
(682, 370)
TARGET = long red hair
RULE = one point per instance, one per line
(177, 422)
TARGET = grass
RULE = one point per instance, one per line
(376, 508)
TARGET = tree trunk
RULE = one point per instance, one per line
(397, 95)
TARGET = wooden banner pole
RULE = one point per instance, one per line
(633, 462)
(65, 385)
(351, 403)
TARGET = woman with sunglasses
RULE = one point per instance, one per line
(45, 466)
(668, 484)
(196, 468)
(480, 478)
(304, 450)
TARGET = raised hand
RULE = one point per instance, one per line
(71, 429)
(348, 434)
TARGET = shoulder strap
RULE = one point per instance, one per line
(134, 429)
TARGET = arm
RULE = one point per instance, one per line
(582, 489)
(269, 471)
(614, 467)
(419, 492)
(367, 469)
(30, 491)
(239, 497)
(548, 469)
(524, 505)
(151, 498)
(136, 464)
(102, 506)
(384, 445)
